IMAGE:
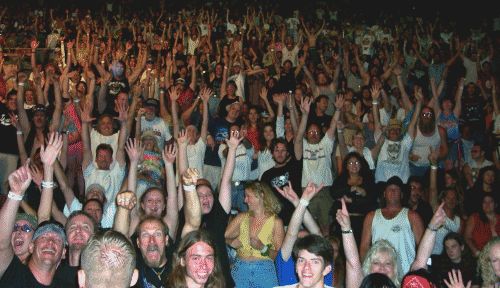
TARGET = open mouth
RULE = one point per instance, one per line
(18, 243)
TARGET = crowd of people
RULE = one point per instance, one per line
(229, 145)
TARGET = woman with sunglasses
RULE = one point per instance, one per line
(24, 228)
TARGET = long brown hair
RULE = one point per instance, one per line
(177, 278)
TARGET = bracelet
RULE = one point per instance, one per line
(76, 100)
(14, 196)
(189, 188)
(434, 167)
(432, 227)
(20, 84)
(265, 250)
(374, 102)
(304, 202)
(48, 184)
(340, 131)
(346, 231)
(19, 132)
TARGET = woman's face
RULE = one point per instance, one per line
(494, 256)
(450, 199)
(149, 143)
(358, 141)
(288, 125)
(382, 263)
(449, 180)
(488, 205)
(268, 133)
(252, 200)
(253, 116)
(489, 177)
(353, 165)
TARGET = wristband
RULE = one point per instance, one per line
(20, 84)
(340, 130)
(432, 227)
(346, 231)
(19, 132)
(265, 250)
(304, 202)
(76, 100)
(374, 102)
(14, 196)
(48, 184)
(189, 188)
(434, 167)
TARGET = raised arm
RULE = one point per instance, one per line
(125, 203)
(458, 98)
(192, 206)
(416, 114)
(123, 134)
(48, 155)
(56, 116)
(19, 181)
(299, 215)
(354, 274)
(427, 243)
(305, 105)
(171, 218)
(339, 103)
(174, 95)
(263, 96)
(407, 105)
(86, 120)
(433, 190)
(205, 94)
(227, 174)
(192, 64)
(21, 112)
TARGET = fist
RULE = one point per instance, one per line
(126, 200)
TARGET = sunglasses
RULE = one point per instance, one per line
(25, 228)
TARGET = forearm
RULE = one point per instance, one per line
(45, 207)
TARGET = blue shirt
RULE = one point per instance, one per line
(285, 270)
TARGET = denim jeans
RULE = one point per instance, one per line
(254, 274)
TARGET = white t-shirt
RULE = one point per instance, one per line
(160, 129)
(108, 215)
(470, 70)
(242, 164)
(317, 162)
(291, 55)
(196, 154)
(393, 160)
(239, 79)
(97, 138)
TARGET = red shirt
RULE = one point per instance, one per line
(482, 232)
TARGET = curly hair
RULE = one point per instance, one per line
(484, 268)
(262, 190)
(382, 246)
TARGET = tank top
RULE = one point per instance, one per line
(398, 232)
(265, 236)
(421, 146)
(450, 123)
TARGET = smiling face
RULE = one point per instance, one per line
(21, 238)
(105, 126)
(48, 249)
(153, 203)
(353, 165)
(383, 263)
(200, 263)
(79, 231)
(152, 241)
(103, 159)
(313, 134)
(311, 269)
(268, 133)
(252, 200)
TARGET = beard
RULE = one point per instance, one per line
(427, 127)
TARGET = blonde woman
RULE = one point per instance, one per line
(489, 262)
(256, 235)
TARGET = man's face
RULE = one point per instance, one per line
(322, 104)
(475, 152)
(358, 140)
(150, 112)
(47, 249)
(105, 126)
(310, 268)
(152, 242)
(206, 198)
(79, 232)
(393, 134)
(94, 210)
(11, 103)
(28, 96)
(21, 237)
(97, 194)
(103, 159)
(415, 191)
(153, 203)
(450, 199)
(453, 250)
(234, 111)
(192, 133)
(280, 153)
(313, 134)
(392, 194)
(199, 262)
(121, 99)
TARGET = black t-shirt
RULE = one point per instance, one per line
(219, 130)
(292, 172)
(424, 210)
(8, 131)
(66, 276)
(19, 275)
(215, 223)
(322, 121)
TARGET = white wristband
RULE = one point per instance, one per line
(304, 202)
(189, 188)
(76, 100)
(19, 132)
(14, 196)
(374, 102)
(434, 167)
(48, 184)
(20, 84)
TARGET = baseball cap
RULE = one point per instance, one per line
(234, 102)
(50, 227)
(152, 102)
(180, 81)
(394, 123)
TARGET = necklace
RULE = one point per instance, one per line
(158, 274)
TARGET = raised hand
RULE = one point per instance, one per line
(343, 217)
(85, 115)
(49, 153)
(234, 140)
(339, 102)
(36, 175)
(438, 218)
(397, 70)
(455, 280)
(134, 149)
(289, 194)
(34, 44)
(126, 200)
(190, 177)
(305, 104)
(20, 180)
(169, 153)
(418, 94)
(122, 112)
(263, 93)
(205, 94)
(375, 91)
(173, 94)
(311, 191)
(182, 138)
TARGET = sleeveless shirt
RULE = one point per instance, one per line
(265, 235)
(421, 146)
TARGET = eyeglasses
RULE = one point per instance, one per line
(25, 228)
(314, 132)
(353, 162)
(427, 114)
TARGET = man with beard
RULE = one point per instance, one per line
(427, 135)
(47, 245)
(284, 171)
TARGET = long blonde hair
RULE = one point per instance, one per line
(262, 190)
(484, 268)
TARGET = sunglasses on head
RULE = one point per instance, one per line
(25, 228)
